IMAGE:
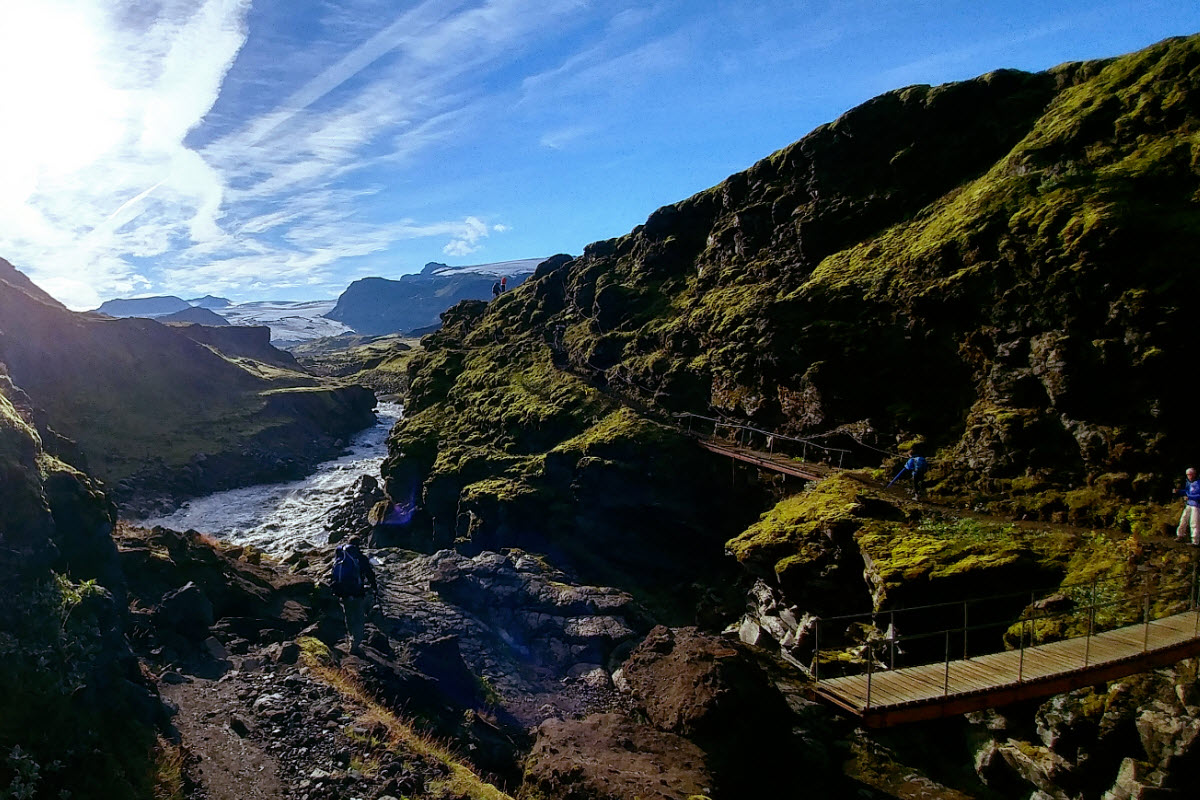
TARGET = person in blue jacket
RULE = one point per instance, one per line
(916, 467)
(1191, 510)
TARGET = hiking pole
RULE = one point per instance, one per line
(898, 474)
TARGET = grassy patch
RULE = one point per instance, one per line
(401, 736)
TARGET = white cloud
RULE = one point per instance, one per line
(101, 172)
(119, 186)
(467, 238)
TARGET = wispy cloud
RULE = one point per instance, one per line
(103, 179)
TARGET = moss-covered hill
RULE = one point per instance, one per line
(169, 410)
(1000, 267)
(77, 717)
(380, 362)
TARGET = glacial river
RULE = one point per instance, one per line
(278, 517)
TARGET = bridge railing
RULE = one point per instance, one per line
(756, 438)
(1104, 610)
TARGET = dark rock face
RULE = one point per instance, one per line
(251, 341)
(702, 687)
(1138, 737)
(544, 619)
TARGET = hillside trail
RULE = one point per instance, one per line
(223, 764)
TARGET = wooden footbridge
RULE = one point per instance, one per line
(885, 691)
(788, 455)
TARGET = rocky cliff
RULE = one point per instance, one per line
(159, 410)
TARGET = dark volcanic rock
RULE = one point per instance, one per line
(609, 757)
(552, 622)
(186, 610)
(703, 687)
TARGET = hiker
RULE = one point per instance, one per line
(352, 574)
(495, 290)
(916, 467)
(504, 283)
(1191, 510)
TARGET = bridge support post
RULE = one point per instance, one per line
(1021, 663)
(966, 654)
(1087, 645)
(892, 625)
(817, 650)
(870, 673)
(946, 684)
(1146, 625)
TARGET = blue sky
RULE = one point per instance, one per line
(280, 149)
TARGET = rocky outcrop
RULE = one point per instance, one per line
(543, 618)
(930, 266)
(248, 341)
(1138, 737)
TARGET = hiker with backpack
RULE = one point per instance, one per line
(352, 574)
(916, 467)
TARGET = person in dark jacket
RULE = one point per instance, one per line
(1190, 519)
(352, 576)
(495, 290)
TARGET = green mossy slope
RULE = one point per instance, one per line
(996, 267)
(75, 718)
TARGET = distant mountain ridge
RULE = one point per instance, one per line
(144, 306)
(412, 302)
(371, 306)
(195, 315)
(211, 302)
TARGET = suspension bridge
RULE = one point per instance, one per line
(1122, 625)
(1121, 628)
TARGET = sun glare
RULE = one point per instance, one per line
(55, 72)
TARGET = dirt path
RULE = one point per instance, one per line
(226, 764)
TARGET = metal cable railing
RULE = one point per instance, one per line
(1179, 593)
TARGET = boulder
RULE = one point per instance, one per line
(697, 685)
(186, 610)
(610, 757)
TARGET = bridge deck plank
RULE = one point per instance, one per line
(1000, 672)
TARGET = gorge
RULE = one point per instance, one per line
(584, 601)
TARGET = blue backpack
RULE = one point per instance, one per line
(347, 572)
(917, 464)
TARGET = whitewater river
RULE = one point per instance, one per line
(277, 517)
